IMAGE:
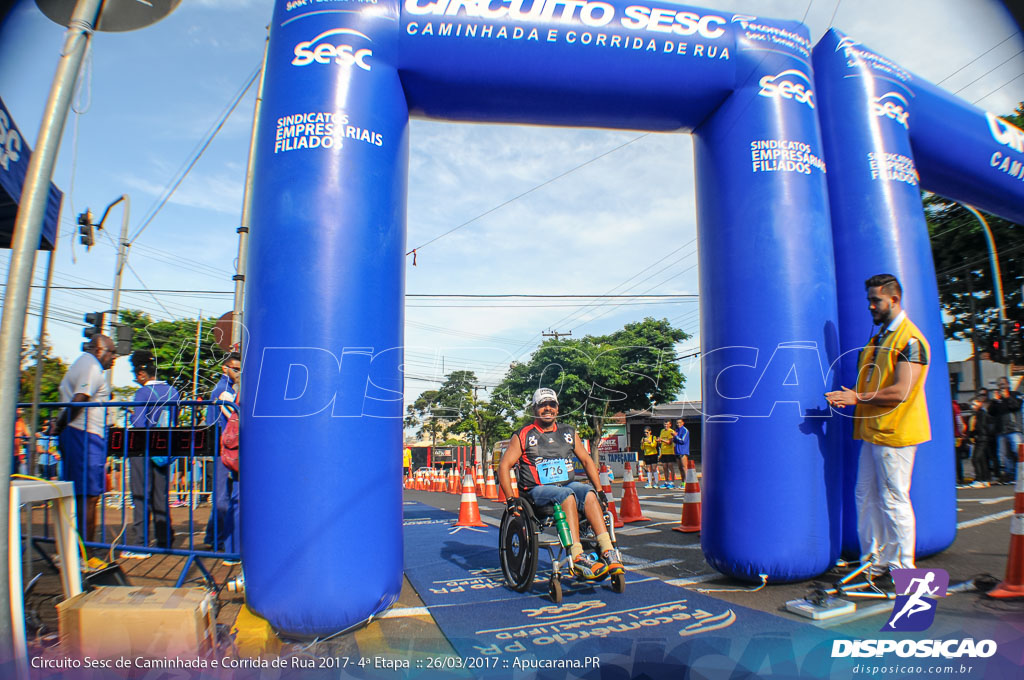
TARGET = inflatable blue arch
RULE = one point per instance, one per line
(802, 151)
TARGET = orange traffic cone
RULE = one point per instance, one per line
(490, 490)
(689, 522)
(606, 486)
(631, 511)
(1013, 585)
(479, 482)
(515, 487)
(469, 509)
(453, 481)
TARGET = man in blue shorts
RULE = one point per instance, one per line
(149, 477)
(544, 450)
(83, 444)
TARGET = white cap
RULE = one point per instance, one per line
(544, 394)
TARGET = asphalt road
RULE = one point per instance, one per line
(654, 549)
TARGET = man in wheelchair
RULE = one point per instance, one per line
(543, 451)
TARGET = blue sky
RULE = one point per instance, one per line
(149, 97)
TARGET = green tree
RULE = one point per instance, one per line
(53, 371)
(173, 343)
(423, 414)
(962, 263)
(597, 376)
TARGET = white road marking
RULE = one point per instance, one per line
(984, 520)
(683, 582)
(402, 612)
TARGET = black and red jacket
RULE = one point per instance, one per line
(537, 444)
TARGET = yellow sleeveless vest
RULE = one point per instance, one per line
(907, 423)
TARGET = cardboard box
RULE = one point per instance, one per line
(130, 621)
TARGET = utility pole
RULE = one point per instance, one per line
(28, 225)
(555, 334)
(122, 259)
(997, 276)
(243, 229)
(195, 367)
(975, 359)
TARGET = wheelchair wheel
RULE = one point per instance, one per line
(619, 583)
(517, 547)
(555, 589)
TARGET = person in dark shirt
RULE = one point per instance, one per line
(983, 427)
(543, 451)
(149, 474)
(1005, 408)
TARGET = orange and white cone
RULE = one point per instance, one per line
(689, 522)
(631, 511)
(606, 486)
(515, 487)
(1013, 585)
(490, 490)
(469, 509)
(479, 482)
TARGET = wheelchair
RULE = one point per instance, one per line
(520, 540)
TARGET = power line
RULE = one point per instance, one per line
(195, 158)
(986, 96)
(528, 191)
(975, 59)
(1020, 51)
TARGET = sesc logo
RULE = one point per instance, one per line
(787, 86)
(314, 50)
(891, 105)
(10, 142)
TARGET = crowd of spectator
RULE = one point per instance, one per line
(988, 433)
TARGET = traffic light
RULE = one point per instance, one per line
(85, 229)
(1015, 343)
(996, 346)
(95, 321)
(124, 339)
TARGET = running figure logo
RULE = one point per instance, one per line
(914, 609)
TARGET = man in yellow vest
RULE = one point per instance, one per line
(891, 418)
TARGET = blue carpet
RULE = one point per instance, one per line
(651, 630)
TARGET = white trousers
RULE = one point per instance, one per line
(885, 517)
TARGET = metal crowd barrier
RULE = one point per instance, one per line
(193, 471)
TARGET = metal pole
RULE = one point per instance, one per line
(243, 229)
(993, 256)
(122, 258)
(28, 226)
(195, 367)
(37, 386)
(976, 360)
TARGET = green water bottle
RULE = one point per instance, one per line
(564, 537)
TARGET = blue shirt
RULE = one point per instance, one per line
(161, 410)
(682, 442)
(224, 391)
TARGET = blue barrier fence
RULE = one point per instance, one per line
(154, 479)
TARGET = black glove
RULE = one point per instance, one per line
(512, 505)
(601, 496)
